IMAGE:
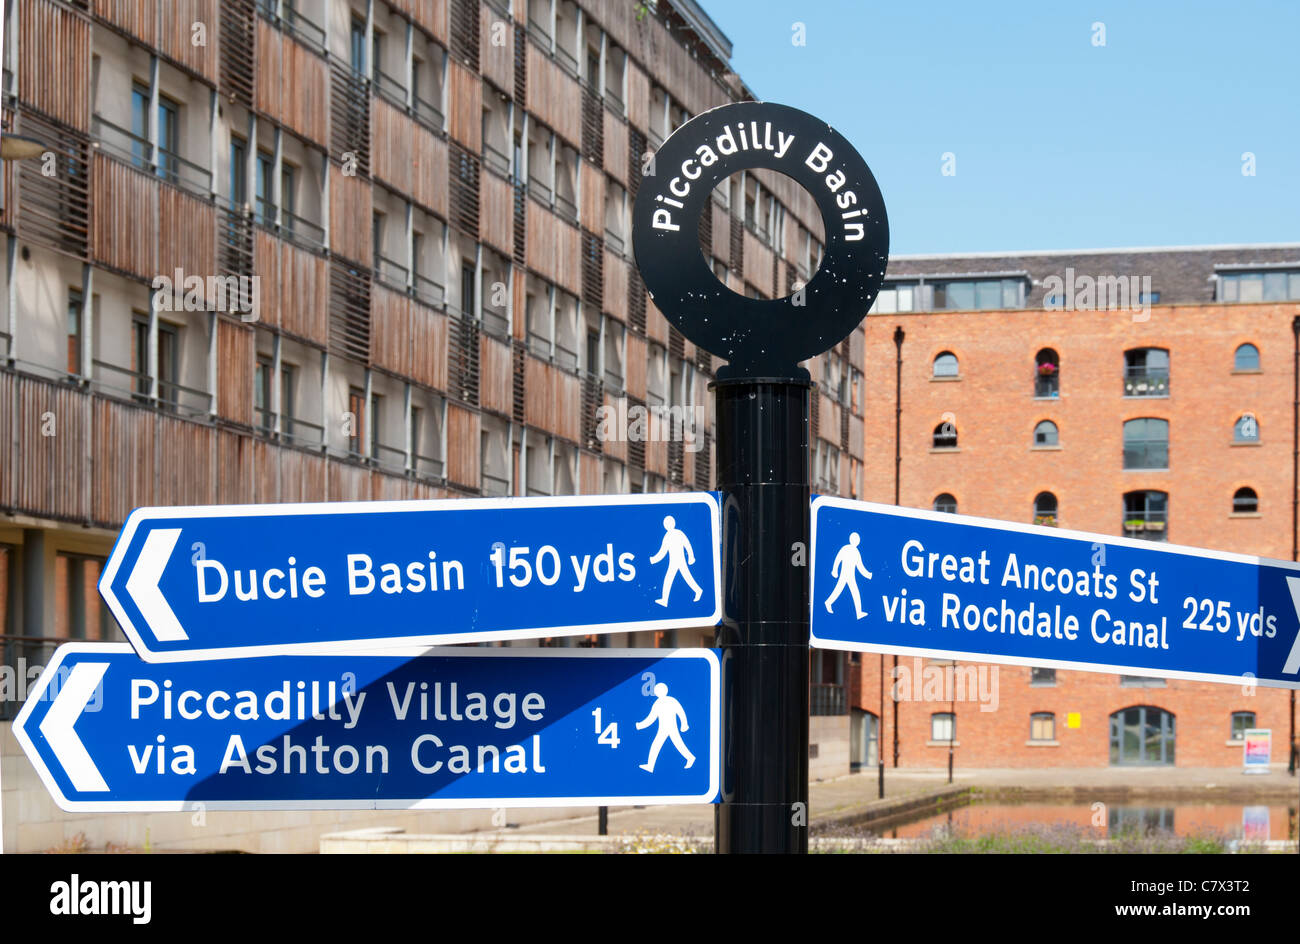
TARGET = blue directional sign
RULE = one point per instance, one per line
(249, 580)
(449, 728)
(887, 579)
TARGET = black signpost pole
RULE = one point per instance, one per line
(762, 397)
(763, 473)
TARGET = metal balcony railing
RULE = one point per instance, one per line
(1146, 382)
(391, 273)
(495, 160)
(495, 485)
(428, 113)
(428, 291)
(827, 699)
(390, 89)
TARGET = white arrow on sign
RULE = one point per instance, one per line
(1292, 665)
(142, 585)
(61, 719)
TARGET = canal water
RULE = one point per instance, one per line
(1251, 823)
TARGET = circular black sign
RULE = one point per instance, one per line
(760, 337)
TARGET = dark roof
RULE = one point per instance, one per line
(1181, 274)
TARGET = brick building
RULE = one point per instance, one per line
(1168, 415)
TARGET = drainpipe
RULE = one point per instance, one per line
(1295, 504)
(898, 463)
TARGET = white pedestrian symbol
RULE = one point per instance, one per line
(848, 564)
(668, 711)
(678, 548)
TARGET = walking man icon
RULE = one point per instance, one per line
(848, 564)
(668, 711)
(678, 548)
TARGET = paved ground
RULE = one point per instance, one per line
(857, 793)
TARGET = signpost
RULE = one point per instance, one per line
(889, 579)
(450, 728)
(248, 580)
(762, 402)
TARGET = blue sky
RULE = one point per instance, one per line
(1058, 144)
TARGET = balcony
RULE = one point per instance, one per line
(391, 273)
(132, 149)
(827, 699)
(1142, 382)
(495, 160)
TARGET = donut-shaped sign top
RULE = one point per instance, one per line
(760, 337)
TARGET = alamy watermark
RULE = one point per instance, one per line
(1100, 293)
(235, 294)
(946, 683)
(624, 422)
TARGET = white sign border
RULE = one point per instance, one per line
(820, 501)
(140, 515)
(428, 803)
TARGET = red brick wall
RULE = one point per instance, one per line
(996, 474)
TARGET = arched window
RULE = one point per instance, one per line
(1246, 429)
(1146, 443)
(1246, 358)
(946, 503)
(1142, 735)
(1047, 373)
(945, 435)
(1245, 502)
(1146, 514)
(1146, 372)
(945, 365)
(1045, 509)
(1046, 434)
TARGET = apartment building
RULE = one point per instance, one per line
(1146, 394)
(310, 250)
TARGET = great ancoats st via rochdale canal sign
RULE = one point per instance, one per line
(447, 728)
(888, 579)
(225, 581)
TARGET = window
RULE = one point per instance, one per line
(169, 139)
(945, 435)
(238, 171)
(1274, 285)
(265, 208)
(979, 294)
(467, 289)
(895, 297)
(288, 194)
(1042, 726)
(262, 381)
(288, 389)
(140, 125)
(1246, 358)
(1047, 373)
(1040, 676)
(1146, 372)
(357, 49)
(943, 727)
(946, 504)
(1245, 502)
(357, 415)
(1246, 429)
(1046, 435)
(140, 354)
(1242, 721)
(169, 348)
(1045, 509)
(1140, 681)
(1146, 443)
(945, 365)
(75, 329)
(1145, 515)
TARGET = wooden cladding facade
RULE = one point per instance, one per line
(554, 399)
(123, 196)
(292, 84)
(554, 248)
(351, 205)
(179, 35)
(496, 212)
(294, 289)
(107, 457)
(465, 106)
(463, 449)
(54, 61)
(235, 371)
(139, 18)
(554, 96)
(408, 157)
